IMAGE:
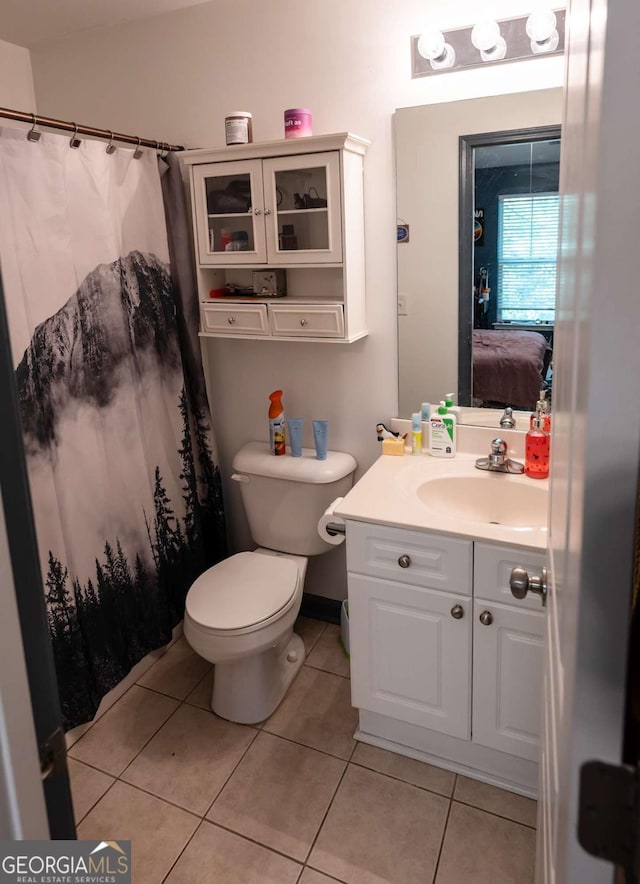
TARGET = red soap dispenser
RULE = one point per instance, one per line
(536, 450)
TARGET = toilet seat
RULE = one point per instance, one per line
(242, 593)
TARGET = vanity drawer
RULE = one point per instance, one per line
(314, 321)
(492, 569)
(430, 560)
(235, 319)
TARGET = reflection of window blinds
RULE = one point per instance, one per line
(527, 251)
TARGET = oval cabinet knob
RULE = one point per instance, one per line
(267, 211)
(304, 322)
(231, 320)
(486, 618)
(257, 211)
(404, 561)
(457, 612)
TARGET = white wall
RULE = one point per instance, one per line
(16, 80)
(174, 77)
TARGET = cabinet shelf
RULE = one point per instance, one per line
(302, 211)
(249, 212)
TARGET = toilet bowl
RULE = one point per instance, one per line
(240, 613)
(248, 634)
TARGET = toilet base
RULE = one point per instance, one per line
(248, 690)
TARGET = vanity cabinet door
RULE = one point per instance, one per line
(508, 659)
(410, 654)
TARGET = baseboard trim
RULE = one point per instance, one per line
(320, 607)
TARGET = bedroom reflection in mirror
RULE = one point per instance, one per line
(515, 237)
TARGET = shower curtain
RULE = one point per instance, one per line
(121, 459)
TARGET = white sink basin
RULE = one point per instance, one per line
(490, 498)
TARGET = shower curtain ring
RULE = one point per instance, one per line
(138, 151)
(32, 134)
(111, 148)
(74, 141)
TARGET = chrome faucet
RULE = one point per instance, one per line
(508, 421)
(498, 461)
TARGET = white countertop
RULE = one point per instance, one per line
(386, 495)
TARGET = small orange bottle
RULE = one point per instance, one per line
(276, 424)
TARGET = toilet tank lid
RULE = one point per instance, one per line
(255, 458)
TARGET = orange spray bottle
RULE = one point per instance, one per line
(276, 424)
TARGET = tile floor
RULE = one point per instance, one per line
(293, 801)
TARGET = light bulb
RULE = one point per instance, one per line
(485, 33)
(541, 30)
(432, 45)
(541, 24)
(486, 37)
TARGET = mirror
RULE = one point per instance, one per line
(435, 322)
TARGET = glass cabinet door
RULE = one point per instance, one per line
(302, 208)
(229, 212)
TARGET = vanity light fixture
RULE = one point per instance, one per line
(488, 42)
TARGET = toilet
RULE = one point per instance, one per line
(240, 613)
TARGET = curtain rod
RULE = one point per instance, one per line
(52, 123)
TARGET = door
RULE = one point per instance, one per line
(28, 688)
(229, 207)
(410, 654)
(508, 656)
(596, 428)
(303, 209)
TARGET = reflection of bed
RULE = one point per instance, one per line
(509, 366)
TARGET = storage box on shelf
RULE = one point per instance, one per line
(297, 205)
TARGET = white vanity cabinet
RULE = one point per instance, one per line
(446, 664)
(296, 206)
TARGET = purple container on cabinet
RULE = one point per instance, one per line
(297, 122)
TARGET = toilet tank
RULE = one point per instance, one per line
(285, 496)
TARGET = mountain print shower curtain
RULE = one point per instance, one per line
(121, 459)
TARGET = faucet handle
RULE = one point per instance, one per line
(499, 447)
(508, 421)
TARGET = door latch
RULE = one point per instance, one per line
(609, 813)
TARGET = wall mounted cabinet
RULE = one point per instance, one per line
(295, 205)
